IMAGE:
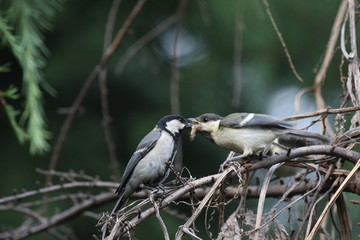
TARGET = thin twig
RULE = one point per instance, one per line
(141, 42)
(311, 206)
(261, 202)
(178, 194)
(175, 76)
(113, 231)
(58, 218)
(70, 176)
(53, 188)
(332, 200)
(204, 11)
(104, 91)
(91, 79)
(283, 44)
(322, 112)
(198, 210)
(26, 211)
(354, 71)
(175, 71)
(347, 55)
(330, 49)
(158, 216)
(304, 195)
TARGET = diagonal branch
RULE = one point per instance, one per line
(104, 91)
(285, 157)
(283, 44)
(323, 112)
(330, 49)
(91, 79)
(23, 232)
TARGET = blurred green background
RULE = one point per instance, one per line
(139, 92)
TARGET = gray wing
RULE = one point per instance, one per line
(243, 120)
(146, 144)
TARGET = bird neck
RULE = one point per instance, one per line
(174, 135)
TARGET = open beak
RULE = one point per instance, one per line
(193, 121)
(189, 124)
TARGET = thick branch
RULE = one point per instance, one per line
(265, 163)
(23, 232)
(196, 187)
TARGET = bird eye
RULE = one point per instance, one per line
(206, 119)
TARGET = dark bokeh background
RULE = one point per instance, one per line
(139, 95)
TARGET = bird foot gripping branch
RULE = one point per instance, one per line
(150, 163)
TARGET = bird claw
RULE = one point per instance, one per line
(157, 193)
(224, 165)
(230, 158)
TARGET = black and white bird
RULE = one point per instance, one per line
(247, 133)
(149, 164)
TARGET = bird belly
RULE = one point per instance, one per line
(152, 169)
(244, 140)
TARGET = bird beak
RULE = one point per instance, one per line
(189, 124)
(193, 121)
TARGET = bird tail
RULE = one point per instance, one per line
(305, 134)
(118, 204)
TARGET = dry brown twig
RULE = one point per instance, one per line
(200, 182)
(322, 112)
(139, 44)
(84, 204)
(332, 200)
(204, 189)
(88, 83)
(283, 44)
(104, 91)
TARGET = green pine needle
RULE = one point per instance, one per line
(29, 19)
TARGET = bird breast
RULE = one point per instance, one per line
(152, 169)
(249, 140)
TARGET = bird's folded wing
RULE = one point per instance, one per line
(146, 144)
(244, 120)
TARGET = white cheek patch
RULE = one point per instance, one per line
(247, 119)
(174, 126)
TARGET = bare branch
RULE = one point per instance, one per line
(283, 44)
(196, 186)
(141, 42)
(209, 195)
(321, 112)
(91, 79)
(104, 91)
(330, 49)
(332, 200)
(296, 153)
(311, 205)
(58, 218)
(56, 188)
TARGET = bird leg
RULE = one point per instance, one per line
(280, 146)
(157, 193)
(230, 158)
